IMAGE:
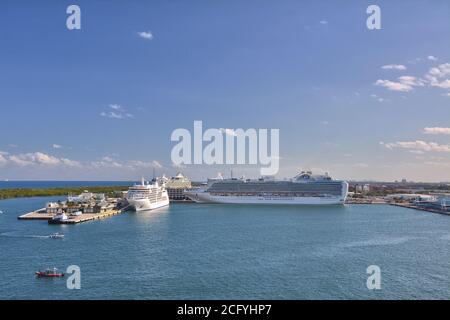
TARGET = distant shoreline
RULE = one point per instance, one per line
(50, 192)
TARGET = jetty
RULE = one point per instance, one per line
(86, 217)
(40, 214)
(43, 215)
(77, 209)
(421, 208)
(366, 200)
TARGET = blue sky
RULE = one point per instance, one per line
(102, 102)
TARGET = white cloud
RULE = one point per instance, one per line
(112, 114)
(71, 163)
(393, 86)
(106, 162)
(436, 130)
(156, 164)
(440, 71)
(115, 115)
(419, 145)
(56, 146)
(400, 67)
(432, 58)
(116, 112)
(108, 159)
(38, 158)
(137, 164)
(443, 84)
(411, 81)
(147, 35)
(416, 151)
(323, 22)
(379, 99)
(3, 159)
(115, 107)
(435, 77)
(404, 83)
(18, 160)
(43, 158)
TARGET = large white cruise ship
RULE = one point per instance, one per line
(147, 196)
(176, 185)
(303, 189)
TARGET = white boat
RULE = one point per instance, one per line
(56, 236)
(60, 216)
(77, 213)
(1, 212)
(303, 189)
(146, 196)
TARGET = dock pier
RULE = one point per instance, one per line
(86, 217)
(410, 206)
(41, 214)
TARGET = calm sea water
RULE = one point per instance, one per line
(193, 251)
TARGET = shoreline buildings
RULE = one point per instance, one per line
(85, 203)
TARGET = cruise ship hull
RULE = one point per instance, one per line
(146, 204)
(206, 197)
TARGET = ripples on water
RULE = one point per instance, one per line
(230, 252)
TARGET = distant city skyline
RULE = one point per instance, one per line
(101, 103)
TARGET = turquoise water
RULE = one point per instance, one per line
(193, 251)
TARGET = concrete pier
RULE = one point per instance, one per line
(86, 217)
(410, 206)
(41, 214)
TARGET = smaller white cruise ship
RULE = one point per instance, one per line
(146, 196)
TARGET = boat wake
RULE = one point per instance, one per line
(341, 248)
(14, 234)
(387, 241)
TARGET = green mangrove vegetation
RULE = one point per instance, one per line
(50, 192)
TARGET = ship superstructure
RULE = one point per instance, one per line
(148, 196)
(305, 188)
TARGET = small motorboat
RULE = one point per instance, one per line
(56, 236)
(49, 273)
